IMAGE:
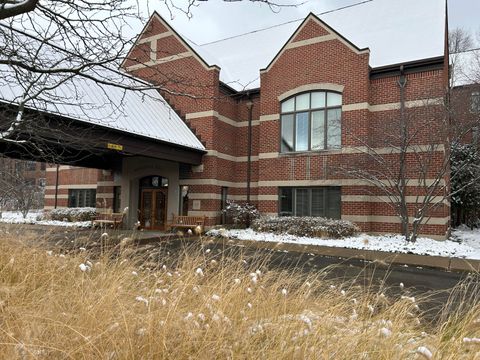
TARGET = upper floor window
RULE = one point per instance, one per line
(311, 121)
(475, 105)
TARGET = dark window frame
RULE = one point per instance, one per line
(475, 102)
(117, 199)
(325, 189)
(310, 110)
(146, 182)
(78, 198)
(30, 166)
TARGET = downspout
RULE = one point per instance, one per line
(56, 187)
(402, 83)
(249, 148)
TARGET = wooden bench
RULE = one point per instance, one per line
(113, 220)
(187, 222)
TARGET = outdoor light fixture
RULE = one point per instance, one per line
(402, 81)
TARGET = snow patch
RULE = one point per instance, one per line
(467, 244)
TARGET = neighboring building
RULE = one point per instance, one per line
(23, 173)
(279, 112)
(465, 119)
(465, 112)
(32, 172)
(465, 95)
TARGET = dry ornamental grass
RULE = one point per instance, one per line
(195, 306)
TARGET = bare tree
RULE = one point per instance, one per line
(465, 115)
(49, 46)
(406, 162)
(464, 57)
(6, 185)
(10, 8)
(459, 41)
(18, 190)
(406, 165)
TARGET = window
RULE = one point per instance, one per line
(30, 165)
(150, 182)
(475, 105)
(29, 182)
(311, 121)
(475, 135)
(319, 201)
(82, 197)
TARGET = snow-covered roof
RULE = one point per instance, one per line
(143, 113)
(465, 68)
(395, 31)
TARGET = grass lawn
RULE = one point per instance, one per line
(119, 303)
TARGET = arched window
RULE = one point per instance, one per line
(311, 121)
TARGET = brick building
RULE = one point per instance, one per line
(283, 114)
(25, 174)
(70, 186)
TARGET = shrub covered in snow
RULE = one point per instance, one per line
(73, 214)
(241, 214)
(306, 226)
(40, 216)
(465, 191)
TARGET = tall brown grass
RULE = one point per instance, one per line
(230, 308)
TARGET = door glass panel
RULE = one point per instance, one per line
(147, 209)
(302, 132)
(159, 216)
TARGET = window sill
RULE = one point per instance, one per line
(311, 152)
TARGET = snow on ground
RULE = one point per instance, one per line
(16, 217)
(467, 236)
(467, 244)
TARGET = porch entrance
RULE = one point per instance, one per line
(153, 202)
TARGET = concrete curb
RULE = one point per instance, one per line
(438, 262)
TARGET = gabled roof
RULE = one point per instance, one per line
(324, 25)
(395, 31)
(144, 113)
(188, 45)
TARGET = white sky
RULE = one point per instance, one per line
(216, 19)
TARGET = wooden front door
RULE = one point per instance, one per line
(153, 209)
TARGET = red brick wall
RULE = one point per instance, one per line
(69, 177)
(219, 119)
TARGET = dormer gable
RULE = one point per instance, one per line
(158, 43)
(314, 30)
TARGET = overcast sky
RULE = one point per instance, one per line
(216, 19)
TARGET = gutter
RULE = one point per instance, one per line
(249, 147)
